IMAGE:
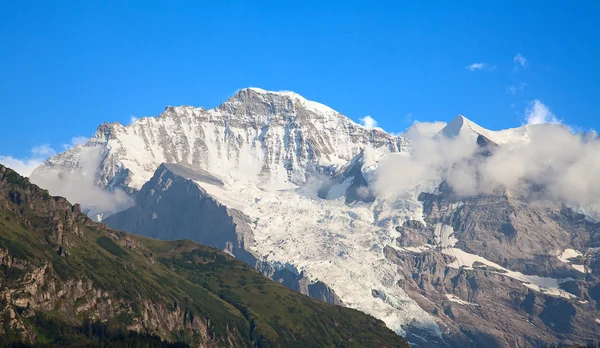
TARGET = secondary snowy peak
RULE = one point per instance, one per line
(461, 126)
(272, 139)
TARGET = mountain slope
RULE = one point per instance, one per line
(173, 205)
(60, 265)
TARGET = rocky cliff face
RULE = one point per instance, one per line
(511, 272)
(172, 207)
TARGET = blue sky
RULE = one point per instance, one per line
(66, 67)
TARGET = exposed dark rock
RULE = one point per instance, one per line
(358, 189)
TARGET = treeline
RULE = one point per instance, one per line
(51, 332)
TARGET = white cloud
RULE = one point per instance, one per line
(132, 119)
(428, 159)
(554, 165)
(368, 122)
(513, 89)
(26, 165)
(43, 151)
(480, 66)
(78, 140)
(538, 113)
(79, 185)
(424, 129)
(75, 141)
(564, 164)
(520, 60)
(22, 166)
(39, 154)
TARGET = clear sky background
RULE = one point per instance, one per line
(67, 66)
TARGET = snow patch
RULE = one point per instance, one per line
(419, 249)
(457, 299)
(569, 254)
(549, 286)
(444, 235)
(339, 190)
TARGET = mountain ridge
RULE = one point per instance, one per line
(265, 138)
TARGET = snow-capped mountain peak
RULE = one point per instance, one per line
(256, 101)
(273, 139)
(461, 126)
(295, 97)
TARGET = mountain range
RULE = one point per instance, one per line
(433, 235)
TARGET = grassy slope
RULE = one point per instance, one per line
(240, 305)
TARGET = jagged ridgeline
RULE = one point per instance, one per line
(69, 281)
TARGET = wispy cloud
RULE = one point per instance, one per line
(538, 113)
(23, 166)
(77, 186)
(79, 140)
(75, 141)
(513, 89)
(26, 165)
(480, 66)
(43, 151)
(132, 119)
(368, 122)
(424, 129)
(38, 155)
(519, 60)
